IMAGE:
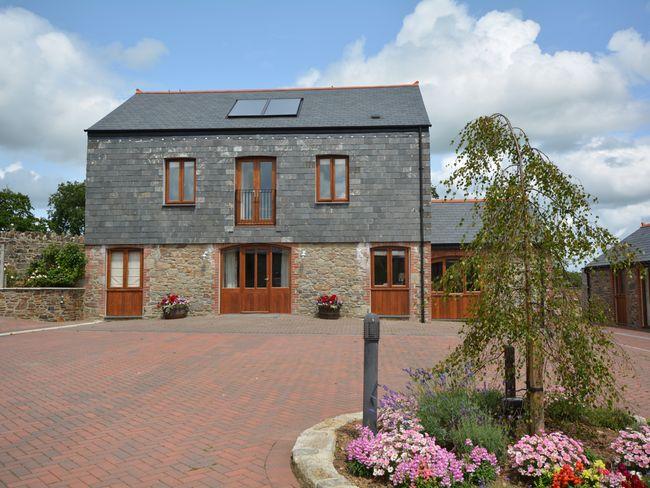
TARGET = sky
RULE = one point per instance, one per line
(575, 75)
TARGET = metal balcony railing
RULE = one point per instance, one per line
(255, 206)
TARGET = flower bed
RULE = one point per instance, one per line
(472, 446)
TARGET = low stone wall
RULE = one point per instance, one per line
(21, 248)
(49, 304)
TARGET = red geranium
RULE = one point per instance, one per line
(331, 301)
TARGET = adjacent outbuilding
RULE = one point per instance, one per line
(625, 293)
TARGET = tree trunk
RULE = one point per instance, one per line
(535, 386)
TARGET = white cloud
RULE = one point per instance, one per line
(576, 105)
(51, 88)
(632, 53)
(19, 179)
(617, 171)
(12, 168)
(473, 66)
(142, 55)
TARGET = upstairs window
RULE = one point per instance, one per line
(255, 191)
(332, 179)
(180, 181)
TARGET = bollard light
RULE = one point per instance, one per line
(370, 370)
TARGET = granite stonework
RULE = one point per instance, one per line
(94, 305)
(125, 181)
(47, 304)
(600, 287)
(187, 270)
(193, 271)
(325, 269)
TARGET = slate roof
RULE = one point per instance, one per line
(454, 222)
(639, 241)
(347, 107)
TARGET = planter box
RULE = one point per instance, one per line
(329, 313)
(176, 313)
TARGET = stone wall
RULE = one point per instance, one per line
(21, 248)
(193, 271)
(95, 282)
(344, 269)
(49, 304)
(187, 270)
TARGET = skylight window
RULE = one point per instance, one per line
(268, 107)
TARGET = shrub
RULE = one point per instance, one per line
(482, 431)
(633, 447)
(610, 418)
(12, 277)
(59, 265)
(565, 410)
(561, 407)
(490, 401)
(535, 455)
(453, 416)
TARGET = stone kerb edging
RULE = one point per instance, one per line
(313, 454)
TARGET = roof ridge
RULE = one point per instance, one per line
(457, 200)
(255, 90)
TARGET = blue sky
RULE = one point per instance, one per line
(574, 74)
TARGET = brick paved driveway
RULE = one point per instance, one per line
(196, 402)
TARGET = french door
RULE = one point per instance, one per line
(389, 290)
(255, 191)
(255, 279)
(257, 290)
(124, 283)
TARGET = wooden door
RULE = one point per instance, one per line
(457, 304)
(124, 283)
(620, 299)
(256, 280)
(389, 290)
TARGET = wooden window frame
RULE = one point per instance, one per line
(389, 267)
(125, 268)
(333, 198)
(181, 185)
(255, 220)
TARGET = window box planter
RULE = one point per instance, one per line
(329, 307)
(175, 313)
(174, 306)
(329, 313)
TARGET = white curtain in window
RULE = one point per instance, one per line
(230, 271)
(133, 277)
(117, 269)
